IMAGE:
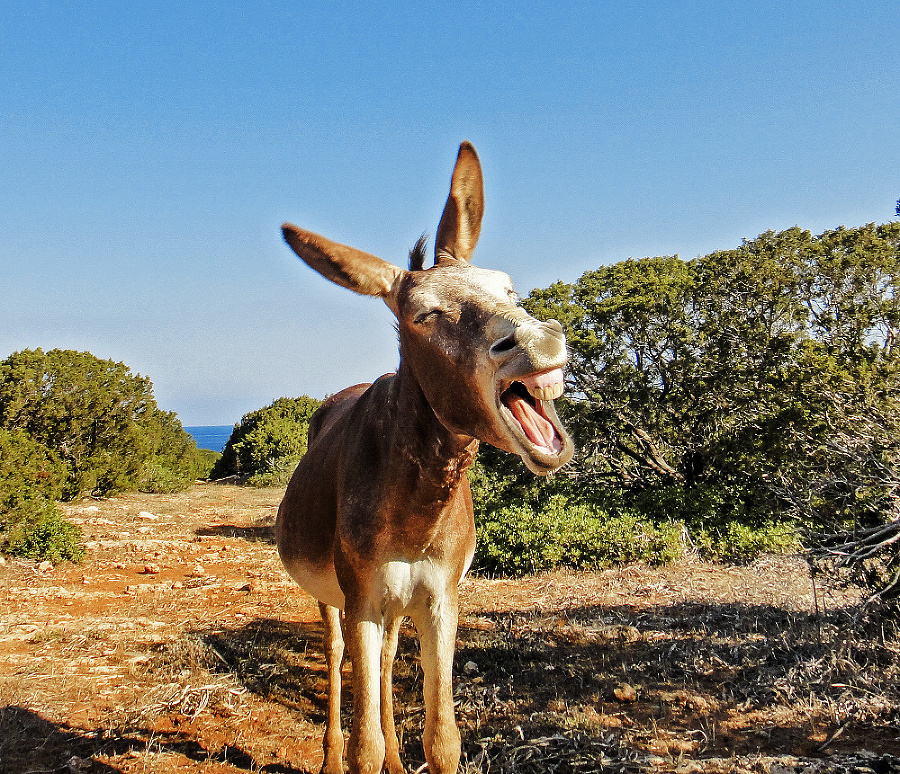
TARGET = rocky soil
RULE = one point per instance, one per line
(180, 645)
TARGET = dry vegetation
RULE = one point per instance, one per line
(181, 646)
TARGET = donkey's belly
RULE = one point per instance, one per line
(321, 582)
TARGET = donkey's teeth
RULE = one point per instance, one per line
(545, 386)
(551, 392)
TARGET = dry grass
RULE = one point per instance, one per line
(181, 646)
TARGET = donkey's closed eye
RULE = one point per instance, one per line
(428, 316)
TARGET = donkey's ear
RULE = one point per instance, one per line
(461, 222)
(351, 268)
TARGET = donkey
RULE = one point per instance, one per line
(376, 522)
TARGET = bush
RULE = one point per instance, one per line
(162, 475)
(519, 539)
(173, 461)
(36, 530)
(30, 525)
(265, 447)
(204, 462)
(157, 478)
(528, 523)
(740, 543)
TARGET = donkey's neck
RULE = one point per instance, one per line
(436, 458)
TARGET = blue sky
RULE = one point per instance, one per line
(150, 151)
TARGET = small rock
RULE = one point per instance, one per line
(145, 530)
(470, 668)
(152, 569)
(91, 509)
(148, 516)
(625, 693)
(45, 566)
(197, 571)
(76, 764)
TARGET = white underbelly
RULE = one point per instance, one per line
(323, 586)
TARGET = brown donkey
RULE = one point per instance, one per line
(377, 519)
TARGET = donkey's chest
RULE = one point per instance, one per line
(410, 585)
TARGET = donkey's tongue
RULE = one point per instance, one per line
(539, 431)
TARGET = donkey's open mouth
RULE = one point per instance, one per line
(529, 412)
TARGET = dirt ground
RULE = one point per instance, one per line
(180, 645)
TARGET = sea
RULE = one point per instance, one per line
(211, 436)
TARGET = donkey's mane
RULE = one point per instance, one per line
(417, 254)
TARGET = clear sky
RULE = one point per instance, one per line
(149, 152)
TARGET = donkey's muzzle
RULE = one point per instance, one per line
(542, 343)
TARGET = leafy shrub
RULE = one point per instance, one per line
(161, 475)
(526, 523)
(157, 478)
(265, 447)
(36, 530)
(204, 461)
(739, 543)
(30, 525)
(173, 462)
(518, 539)
(700, 507)
(277, 473)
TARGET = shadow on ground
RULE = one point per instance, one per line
(695, 680)
(264, 533)
(31, 743)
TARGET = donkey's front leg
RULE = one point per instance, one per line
(333, 643)
(437, 634)
(392, 746)
(364, 632)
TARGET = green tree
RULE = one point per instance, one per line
(95, 416)
(266, 445)
(689, 380)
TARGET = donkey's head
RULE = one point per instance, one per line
(486, 367)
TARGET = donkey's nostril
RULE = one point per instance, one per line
(503, 345)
